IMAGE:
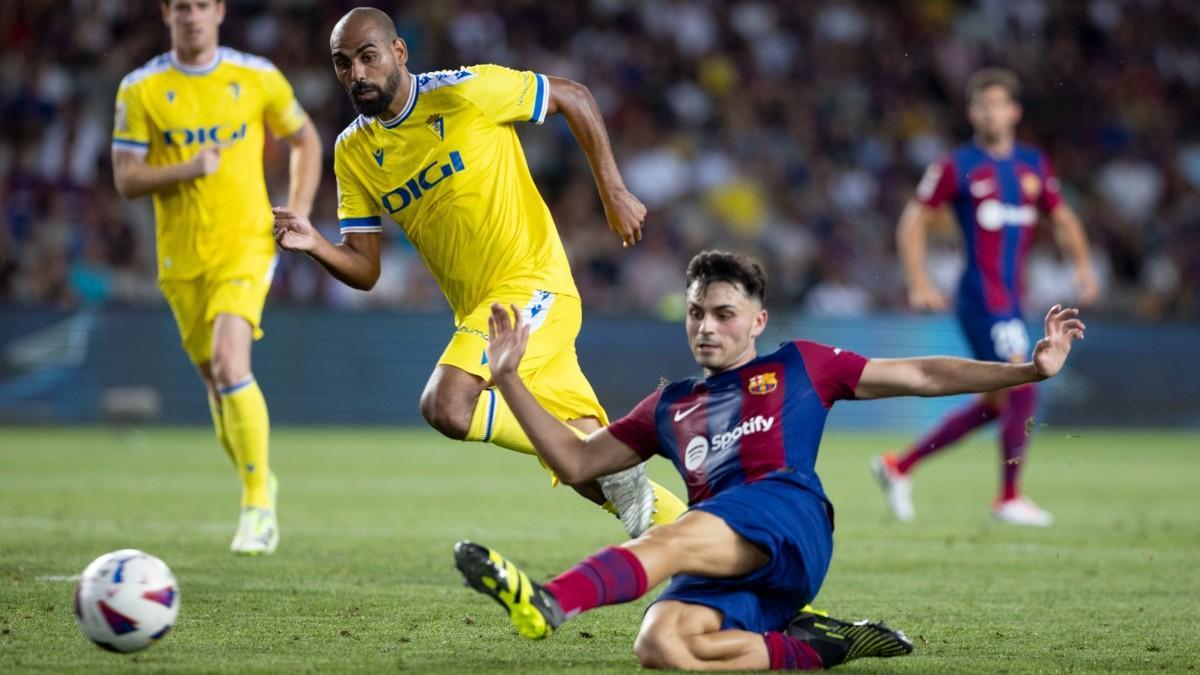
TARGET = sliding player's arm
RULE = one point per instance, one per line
(944, 375)
(625, 212)
(573, 459)
(354, 262)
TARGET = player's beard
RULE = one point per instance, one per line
(382, 101)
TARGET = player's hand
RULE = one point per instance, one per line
(1087, 285)
(1062, 327)
(293, 232)
(206, 162)
(626, 214)
(923, 297)
(506, 340)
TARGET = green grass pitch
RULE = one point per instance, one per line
(363, 580)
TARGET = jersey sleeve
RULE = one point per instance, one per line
(938, 185)
(637, 429)
(834, 372)
(284, 114)
(505, 95)
(356, 210)
(131, 128)
(1051, 195)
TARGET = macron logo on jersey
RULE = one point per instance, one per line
(414, 188)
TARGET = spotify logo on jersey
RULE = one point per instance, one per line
(697, 451)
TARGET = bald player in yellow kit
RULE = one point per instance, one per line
(438, 154)
(189, 130)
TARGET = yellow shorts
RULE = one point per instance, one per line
(551, 367)
(240, 291)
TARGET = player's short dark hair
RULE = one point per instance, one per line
(994, 77)
(735, 268)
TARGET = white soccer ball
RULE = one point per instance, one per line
(126, 600)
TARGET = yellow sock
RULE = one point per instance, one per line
(214, 407)
(493, 422)
(248, 428)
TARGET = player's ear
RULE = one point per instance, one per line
(400, 50)
(760, 323)
(220, 8)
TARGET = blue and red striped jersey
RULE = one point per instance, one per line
(996, 202)
(764, 418)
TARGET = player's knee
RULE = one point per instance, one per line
(228, 367)
(444, 413)
(656, 648)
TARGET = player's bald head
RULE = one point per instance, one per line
(363, 22)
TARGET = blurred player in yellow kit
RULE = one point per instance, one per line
(438, 153)
(189, 131)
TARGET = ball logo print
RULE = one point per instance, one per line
(126, 601)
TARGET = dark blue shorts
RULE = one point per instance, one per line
(995, 337)
(789, 522)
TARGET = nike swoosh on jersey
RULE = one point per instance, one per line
(680, 414)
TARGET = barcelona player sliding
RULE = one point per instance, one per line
(757, 540)
(189, 131)
(997, 188)
(438, 153)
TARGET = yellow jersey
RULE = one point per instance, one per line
(167, 111)
(450, 171)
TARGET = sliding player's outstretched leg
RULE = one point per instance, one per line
(839, 641)
(533, 611)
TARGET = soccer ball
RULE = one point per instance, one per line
(126, 600)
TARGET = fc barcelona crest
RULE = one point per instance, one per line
(1031, 185)
(763, 384)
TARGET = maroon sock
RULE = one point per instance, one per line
(612, 576)
(1014, 436)
(787, 653)
(954, 427)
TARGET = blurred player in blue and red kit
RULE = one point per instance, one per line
(997, 189)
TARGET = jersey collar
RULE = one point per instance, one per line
(195, 70)
(408, 107)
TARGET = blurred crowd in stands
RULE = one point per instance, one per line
(792, 130)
